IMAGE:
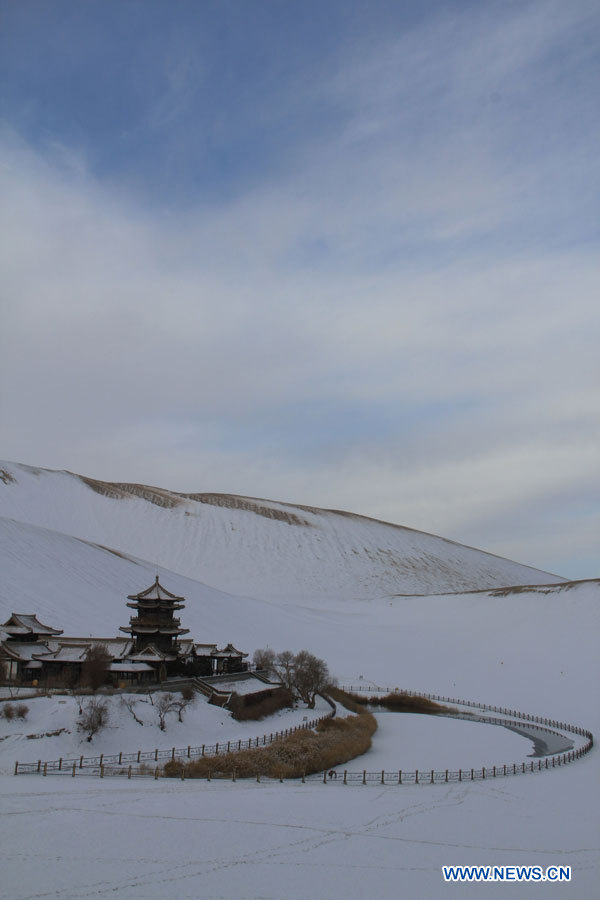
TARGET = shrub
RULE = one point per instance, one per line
(93, 718)
(21, 710)
(8, 712)
(396, 701)
(256, 706)
(94, 671)
(188, 693)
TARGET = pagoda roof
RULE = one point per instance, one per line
(130, 667)
(229, 650)
(67, 653)
(153, 629)
(150, 653)
(21, 623)
(156, 592)
(24, 650)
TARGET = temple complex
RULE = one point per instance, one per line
(152, 650)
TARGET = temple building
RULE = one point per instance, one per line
(152, 650)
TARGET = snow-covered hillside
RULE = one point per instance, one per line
(254, 547)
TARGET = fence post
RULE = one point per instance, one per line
(383, 776)
(101, 771)
(173, 753)
(16, 768)
(202, 749)
(228, 746)
(156, 754)
(416, 776)
(280, 778)
(156, 774)
(39, 765)
(399, 776)
(139, 754)
(345, 774)
(233, 774)
(364, 781)
(60, 763)
(74, 768)
(129, 772)
(471, 774)
(120, 757)
(101, 759)
(217, 749)
(446, 775)
(183, 773)
(189, 751)
(45, 767)
(460, 774)
(483, 773)
(303, 777)
(325, 776)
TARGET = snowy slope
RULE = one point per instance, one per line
(257, 547)
(477, 645)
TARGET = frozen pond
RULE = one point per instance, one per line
(411, 741)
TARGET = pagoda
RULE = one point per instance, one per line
(154, 624)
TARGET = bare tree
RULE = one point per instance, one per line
(94, 671)
(264, 661)
(93, 718)
(310, 676)
(129, 704)
(165, 704)
(284, 667)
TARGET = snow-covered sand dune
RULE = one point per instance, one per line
(245, 546)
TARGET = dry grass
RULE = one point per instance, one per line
(304, 752)
(397, 701)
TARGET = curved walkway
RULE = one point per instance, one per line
(551, 747)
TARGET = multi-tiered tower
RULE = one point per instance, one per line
(155, 623)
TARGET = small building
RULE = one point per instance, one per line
(152, 651)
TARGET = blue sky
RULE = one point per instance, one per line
(342, 254)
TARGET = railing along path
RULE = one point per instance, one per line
(124, 764)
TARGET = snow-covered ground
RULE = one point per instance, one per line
(534, 650)
(80, 838)
(50, 729)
